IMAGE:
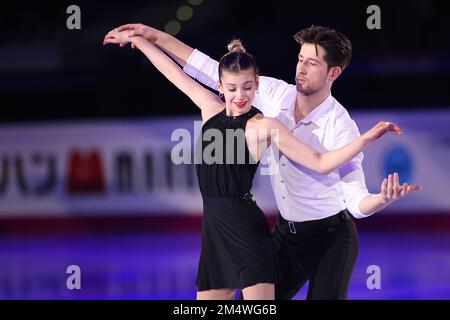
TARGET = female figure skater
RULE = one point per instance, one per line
(236, 249)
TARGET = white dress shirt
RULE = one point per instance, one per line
(301, 193)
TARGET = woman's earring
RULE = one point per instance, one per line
(257, 90)
(221, 94)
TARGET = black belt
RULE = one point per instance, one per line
(225, 201)
(313, 225)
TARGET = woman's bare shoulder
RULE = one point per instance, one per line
(259, 121)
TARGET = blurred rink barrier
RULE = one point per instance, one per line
(62, 185)
(132, 167)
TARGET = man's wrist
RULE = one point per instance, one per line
(383, 200)
(160, 37)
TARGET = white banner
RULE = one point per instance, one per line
(421, 155)
(120, 167)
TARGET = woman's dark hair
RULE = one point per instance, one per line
(237, 59)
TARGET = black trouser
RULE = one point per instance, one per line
(322, 251)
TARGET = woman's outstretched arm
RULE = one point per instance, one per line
(176, 49)
(207, 101)
(326, 162)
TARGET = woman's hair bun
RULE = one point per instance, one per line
(236, 46)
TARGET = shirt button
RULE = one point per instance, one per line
(282, 181)
(283, 197)
(283, 164)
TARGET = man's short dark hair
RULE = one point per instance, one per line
(338, 48)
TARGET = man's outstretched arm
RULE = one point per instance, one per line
(205, 69)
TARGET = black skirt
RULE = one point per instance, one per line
(237, 251)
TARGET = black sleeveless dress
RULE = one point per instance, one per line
(236, 248)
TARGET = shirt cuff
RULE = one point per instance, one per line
(202, 68)
(195, 63)
(353, 207)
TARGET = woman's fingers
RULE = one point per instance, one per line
(391, 126)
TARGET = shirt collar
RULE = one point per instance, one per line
(319, 116)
